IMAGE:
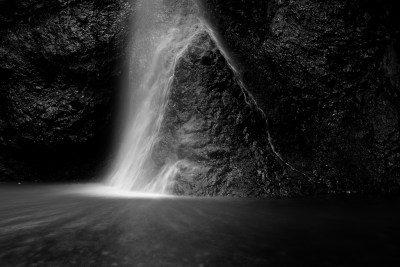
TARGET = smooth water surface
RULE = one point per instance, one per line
(80, 225)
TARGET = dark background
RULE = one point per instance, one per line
(326, 74)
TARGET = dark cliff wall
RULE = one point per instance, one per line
(60, 63)
(326, 73)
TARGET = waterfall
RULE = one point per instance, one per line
(162, 31)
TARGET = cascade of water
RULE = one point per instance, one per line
(163, 30)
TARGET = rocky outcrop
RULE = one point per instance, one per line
(60, 64)
(218, 135)
(327, 76)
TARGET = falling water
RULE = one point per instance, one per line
(163, 30)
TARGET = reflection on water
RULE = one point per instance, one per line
(77, 224)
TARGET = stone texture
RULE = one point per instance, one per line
(326, 73)
(217, 133)
(60, 64)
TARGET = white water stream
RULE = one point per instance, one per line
(163, 30)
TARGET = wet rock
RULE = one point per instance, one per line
(327, 76)
(60, 66)
(218, 135)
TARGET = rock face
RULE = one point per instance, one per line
(327, 76)
(60, 63)
(212, 127)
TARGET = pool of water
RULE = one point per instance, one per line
(85, 225)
